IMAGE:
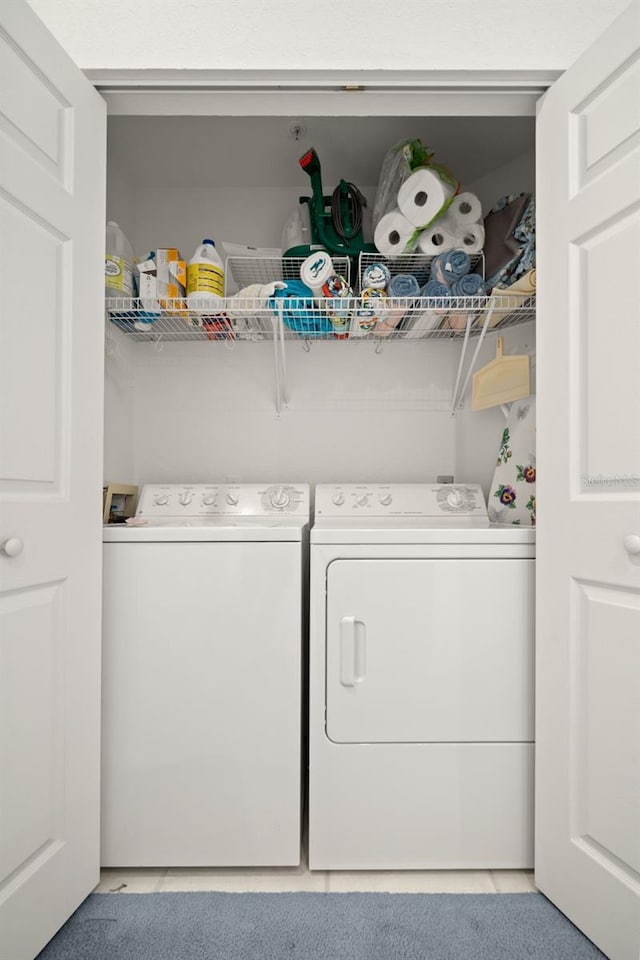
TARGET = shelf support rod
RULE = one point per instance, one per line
(283, 358)
(278, 359)
(460, 364)
(457, 397)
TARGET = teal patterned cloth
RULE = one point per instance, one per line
(524, 236)
(512, 498)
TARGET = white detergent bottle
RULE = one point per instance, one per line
(205, 276)
(118, 263)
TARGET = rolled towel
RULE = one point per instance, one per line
(365, 317)
(403, 285)
(389, 322)
(376, 276)
(465, 209)
(435, 289)
(247, 307)
(470, 285)
(422, 196)
(449, 266)
(419, 324)
(436, 239)
(392, 233)
(300, 312)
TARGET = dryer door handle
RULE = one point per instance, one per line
(353, 642)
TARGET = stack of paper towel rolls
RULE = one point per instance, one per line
(420, 199)
(460, 228)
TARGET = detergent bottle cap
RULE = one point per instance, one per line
(211, 242)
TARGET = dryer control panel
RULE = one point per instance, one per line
(159, 500)
(421, 500)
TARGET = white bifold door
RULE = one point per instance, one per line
(52, 194)
(588, 552)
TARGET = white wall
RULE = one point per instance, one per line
(478, 433)
(204, 411)
(518, 176)
(119, 378)
(183, 216)
(361, 34)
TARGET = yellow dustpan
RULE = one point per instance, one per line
(503, 380)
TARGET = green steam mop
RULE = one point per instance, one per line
(335, 221)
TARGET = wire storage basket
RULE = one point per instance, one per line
(245, 271)
(417, 265)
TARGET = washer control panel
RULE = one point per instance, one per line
(427, 500)
(222, 500)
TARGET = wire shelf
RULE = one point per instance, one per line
(290, 318)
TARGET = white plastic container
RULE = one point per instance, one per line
(205, 276)
(297, 229)
(316, 270)
(118, 263)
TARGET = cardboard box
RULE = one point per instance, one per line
(118, 502)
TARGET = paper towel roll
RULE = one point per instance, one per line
(465, 209)
(472, 238)
(422, 196)
(436, 239)
(392, 233)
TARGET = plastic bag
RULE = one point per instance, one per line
(399, 163)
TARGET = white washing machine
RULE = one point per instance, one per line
(421, 733)
(203, 637)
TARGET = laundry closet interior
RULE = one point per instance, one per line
(195, 415)
(177, 409)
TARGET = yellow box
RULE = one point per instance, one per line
(172, 285)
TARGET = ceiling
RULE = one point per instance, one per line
(262, 151)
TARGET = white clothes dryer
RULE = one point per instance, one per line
(202, 666)
(421, 681)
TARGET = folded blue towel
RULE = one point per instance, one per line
(471, 285)
(435, 289)
(403, 285)
(448, 267)
(300, 312)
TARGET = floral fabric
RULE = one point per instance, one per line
(512, 498)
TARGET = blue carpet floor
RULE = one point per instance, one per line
(318, 926)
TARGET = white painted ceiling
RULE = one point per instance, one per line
(358, 35)
(260, 151)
